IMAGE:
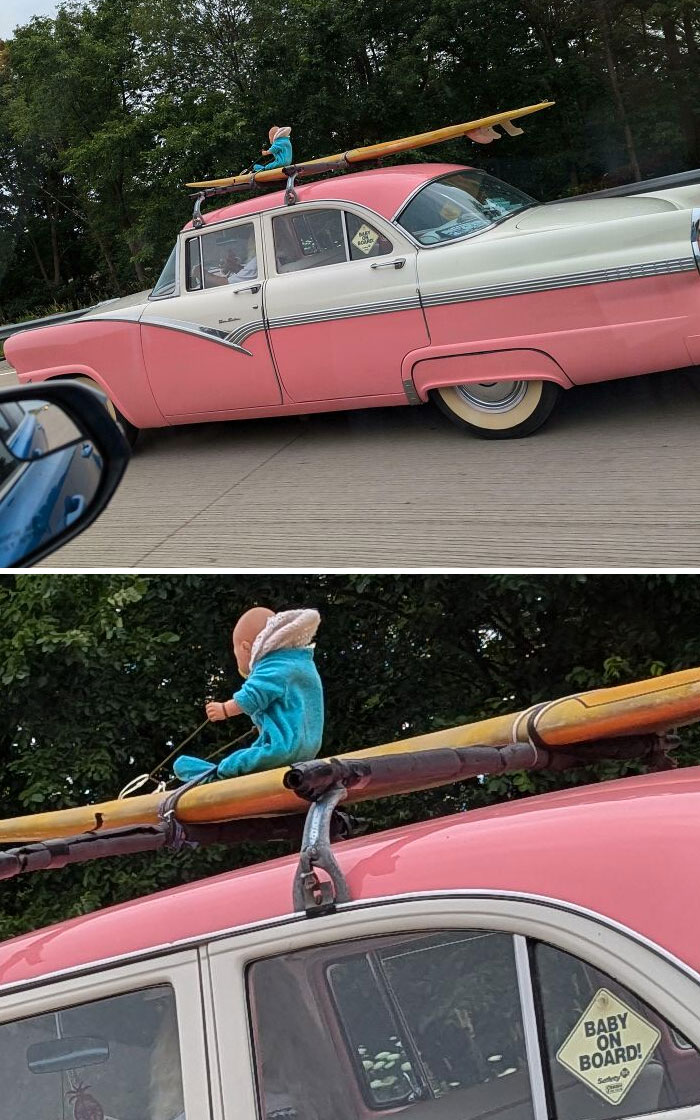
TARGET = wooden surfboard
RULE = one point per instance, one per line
(654, 705)
(373, 151)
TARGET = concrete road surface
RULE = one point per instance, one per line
(612, 480)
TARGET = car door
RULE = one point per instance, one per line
(123, 1043)
(341, 302)
(205, 347)
(449, 1008)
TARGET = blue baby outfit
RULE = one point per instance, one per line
(284, 698)
(281, 150)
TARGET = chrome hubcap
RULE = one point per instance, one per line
(493, 396)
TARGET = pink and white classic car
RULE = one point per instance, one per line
(396, 286)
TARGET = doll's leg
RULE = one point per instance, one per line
(187, 767)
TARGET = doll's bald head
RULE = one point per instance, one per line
(245, 632)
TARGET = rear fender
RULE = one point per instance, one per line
(439, 370)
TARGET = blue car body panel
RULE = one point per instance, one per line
(42, 497)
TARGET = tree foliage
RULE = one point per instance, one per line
(106, 110)
(102, 675)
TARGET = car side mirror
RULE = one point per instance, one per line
(61, 459)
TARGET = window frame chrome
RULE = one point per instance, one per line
(695, 234)
(534, 1045)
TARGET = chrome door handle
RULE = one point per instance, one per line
(398, 263)
(254, 288)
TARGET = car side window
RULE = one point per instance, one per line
(308, 239)
(428, 1023)
(11, 416)
(364, 240)
(115, 1057)
(224, 256)
(166, 284)
(608, 1053)
(10, 468)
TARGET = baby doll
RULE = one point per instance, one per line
(280, 148)
(282, 694)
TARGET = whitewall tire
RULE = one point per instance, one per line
(498, 409)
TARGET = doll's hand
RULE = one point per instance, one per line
(216, 711)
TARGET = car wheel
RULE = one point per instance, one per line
(130, 430)
(498, 409)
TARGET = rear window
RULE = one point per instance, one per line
(460, 204)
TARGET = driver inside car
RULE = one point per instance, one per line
(233, 268)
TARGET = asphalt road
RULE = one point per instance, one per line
(612, 480)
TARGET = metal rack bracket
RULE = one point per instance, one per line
(312, 895)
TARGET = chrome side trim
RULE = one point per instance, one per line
(532, 1040)
(408, 303)
(571, 280)
(470, 894)
(695, 234)
(225, 338)
(235, 339)
(494, 291)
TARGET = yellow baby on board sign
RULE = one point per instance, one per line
(365, 239)
(609, 1046)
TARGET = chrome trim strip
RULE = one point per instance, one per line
(494, 291)
(408, 303)
(472, 894)
(235, 339)
(346, 236)
(532, 1040)
(225, 338)
(695, 234)
(571, 280)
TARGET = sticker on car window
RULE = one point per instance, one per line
(365, 239)
(609, 1046)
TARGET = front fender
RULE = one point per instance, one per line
(444, 366)
(109, 353)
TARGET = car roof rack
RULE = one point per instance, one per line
(273, 176)
(325, 783)
(293, 172)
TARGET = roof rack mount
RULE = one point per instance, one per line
(409, 772)
(293, 172)
(325, 783)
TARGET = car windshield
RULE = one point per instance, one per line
(166, 283)
(459, 204)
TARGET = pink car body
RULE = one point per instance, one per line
(386, 287)
(598, 881)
